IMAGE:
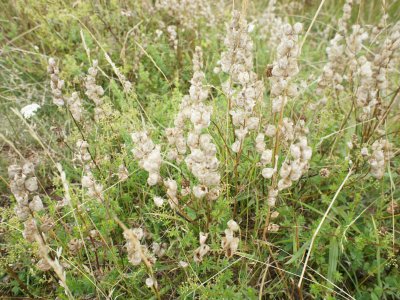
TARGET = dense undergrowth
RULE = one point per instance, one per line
(199, 149)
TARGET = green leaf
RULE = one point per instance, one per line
(298, 254)
(333, 259)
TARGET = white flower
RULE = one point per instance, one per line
(266, 156)
(29, 110)
(236, 146)
(252, 123)
(200, 252)
(298, 27)
(364, 151)
(295, 151)
(159, 249)
(28, 168)
(158, 201)
(284, 184)
(243, 77)
(149, 282)
(268, 173)
(153, 179)
(13, 170)
(31, 184)
(86, 181)
(203, 237)
(149, 156)
(138, 232)
(36, 204)
(307, 153)
(183, 264)
(230, 243)
(285, 170)
(233, 225)
(123, 173)
(270, 130)
(199, 191)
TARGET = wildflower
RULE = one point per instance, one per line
(36, 204)
(31, 184)
(199, 191)
(202, 160)
(267, 173)
(30, 230)
(23, 184)
(183, 264)
(75, 106)
(260, 144)
(273, 228)
(230, 243)
(337, 59)
(94, 189)
(123, 173)
(292, 169)
(366, 96)
(233, 225)
(287, 130)
(150, 282)
(200, 252)
(236, 146)
(285, 67)
(385, 56)
(158, 201)
(350, 145)
(271, 24)
(266, 157)
(364, 151)
(381, 154)
(28, 168)
(270, 130)
(243, 88)
(159, 249)
(272, 195)
(56, 83)
(172, 191)
(149, 156)
(29, 111)
(354, 43)
(173, 36)
(83, 154)
(136, 252)
(93, 91)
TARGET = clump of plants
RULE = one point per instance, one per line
(185, 152)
